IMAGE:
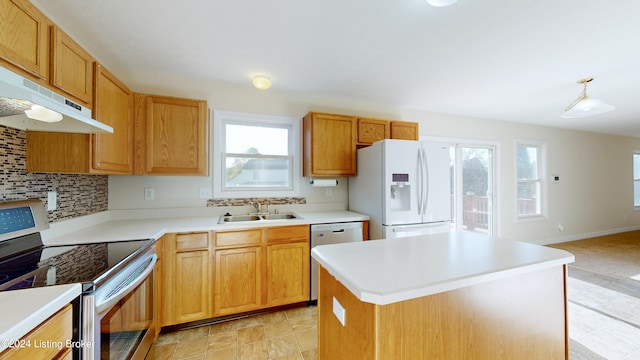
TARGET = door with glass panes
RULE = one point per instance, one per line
(472, 184)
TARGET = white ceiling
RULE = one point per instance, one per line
(513, 60)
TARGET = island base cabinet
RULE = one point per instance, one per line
(520, 317)
(50, 340)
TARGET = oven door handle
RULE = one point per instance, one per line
(125, 286)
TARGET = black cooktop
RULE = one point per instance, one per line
(25, 262)
(89, 264)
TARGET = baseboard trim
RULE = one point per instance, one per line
(563, 239)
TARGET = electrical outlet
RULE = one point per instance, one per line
(339, 311)
(560, 227)
(329, 192)
(149, 193)
(205, 194)
(52, 200)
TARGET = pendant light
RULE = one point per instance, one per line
(441, 3)
(585, 106)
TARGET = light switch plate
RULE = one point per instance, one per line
(52, 200)
(339, 311)
(149, 193)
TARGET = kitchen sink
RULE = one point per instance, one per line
(248, 218)
(237, 218)
(283, 216)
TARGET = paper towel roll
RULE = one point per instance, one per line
(324, 182)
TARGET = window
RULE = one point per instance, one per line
(254, 155)
(530, 162)
(636, 178)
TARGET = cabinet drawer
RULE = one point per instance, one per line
(288, 233)
(55, 330)
(238, 238)
(193, 241)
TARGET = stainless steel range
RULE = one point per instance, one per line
(114, 317)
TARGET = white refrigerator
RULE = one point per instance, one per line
(404, 187)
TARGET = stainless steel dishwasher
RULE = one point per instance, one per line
(334, 233)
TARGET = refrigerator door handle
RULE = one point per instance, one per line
(425, 226)
(425, 182)
(420, 181)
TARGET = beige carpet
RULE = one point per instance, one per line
(615, 255)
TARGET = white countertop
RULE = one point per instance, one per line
(118, 230)
(388, 271)
(23, 310)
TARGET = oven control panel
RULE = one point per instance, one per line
(15, 219)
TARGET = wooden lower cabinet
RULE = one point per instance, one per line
(188, 275)
(261, 268)
(58, 329)
(287, 273)
(517, 317)
(211, 274)
(238, 285)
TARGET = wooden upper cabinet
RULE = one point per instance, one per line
(372, 130)
(404, 130)
(329, 145)
(90, 153)
(112, 105)
(171, 136)
(71, 67)
(24, 38)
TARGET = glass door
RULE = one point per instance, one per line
(472, 181)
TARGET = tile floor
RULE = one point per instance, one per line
(285, 335)
(604, 321)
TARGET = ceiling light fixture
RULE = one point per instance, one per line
(40, 113)
(441, 3)
(585, 106)
(261, 82)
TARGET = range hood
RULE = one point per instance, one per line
(18, 94)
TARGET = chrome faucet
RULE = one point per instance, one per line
(257, 206)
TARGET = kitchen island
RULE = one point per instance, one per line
(446, 296)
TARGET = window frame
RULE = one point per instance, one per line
(541, 179)
(224, 117)
(635, 180)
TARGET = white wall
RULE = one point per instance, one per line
(594, 196)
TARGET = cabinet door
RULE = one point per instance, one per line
(58, 329)
(71, 67)
(404, 130)
(112, 105)
(287, 273)
(176, 136)
(58, 152)
(329, 145)
(372, 130)
(238, 285)
(188, 267)
(24, 37)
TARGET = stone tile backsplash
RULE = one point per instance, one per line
(77, 195)
(248, 201)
